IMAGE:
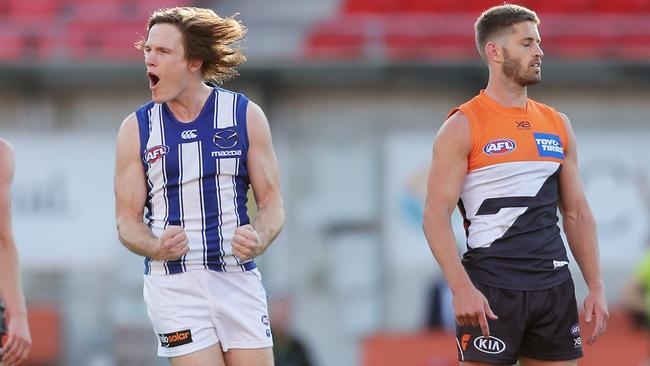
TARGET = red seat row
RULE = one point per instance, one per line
(476, 6)
(74, 29)
(451, 37)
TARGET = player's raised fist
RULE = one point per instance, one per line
(246, 242)
(172, 244)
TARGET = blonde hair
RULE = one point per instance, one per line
(206, 37)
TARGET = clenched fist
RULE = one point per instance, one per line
(246, 243)
(172, 244)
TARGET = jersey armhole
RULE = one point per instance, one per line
(562, 130)
(474, 131)
(144, 130)
(240, 115)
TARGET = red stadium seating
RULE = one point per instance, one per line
(78, 30)
(32, 9)
(475, 6)
(443, 29)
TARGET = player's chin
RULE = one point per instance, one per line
(157, 97)
(532, 80)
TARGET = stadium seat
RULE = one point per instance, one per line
(12, 46)
(108, 40)
(338, 39)
(32, 9)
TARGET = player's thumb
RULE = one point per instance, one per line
(489, 313)
(246, 227)
(174, 229)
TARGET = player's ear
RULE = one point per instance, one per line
(195, 65)
(493, 52)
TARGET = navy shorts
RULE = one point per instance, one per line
(539, 324)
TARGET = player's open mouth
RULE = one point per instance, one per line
(536, 64)
(153, 80)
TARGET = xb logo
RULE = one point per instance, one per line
(226, 138)
(188, 134)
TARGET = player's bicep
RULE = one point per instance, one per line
(448, 168)
(262, 162)
(130, 181)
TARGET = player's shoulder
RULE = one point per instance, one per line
(130, 121)
(6, 158)
(6, 152)
(455, 131)
(456, 123)
(145, 107)
(5, 147)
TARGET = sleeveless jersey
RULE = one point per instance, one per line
(510, 196)
(197, 178)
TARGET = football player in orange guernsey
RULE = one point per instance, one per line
(508, 163)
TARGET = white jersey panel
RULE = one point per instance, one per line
(500, 181)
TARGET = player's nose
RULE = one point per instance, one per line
(538, 51)
(150, 59)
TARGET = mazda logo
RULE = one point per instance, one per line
(226, 138)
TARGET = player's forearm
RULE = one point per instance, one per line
(10, 285)
(269, 221)
(437, 229)
(580, 229)
(136, 236)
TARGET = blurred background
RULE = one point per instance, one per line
(355, 91)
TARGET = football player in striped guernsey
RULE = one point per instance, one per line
(184, 164)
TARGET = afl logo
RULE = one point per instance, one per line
(575, 330)
(155, 153)
(499, 147)
(491, 345)
(226, 138)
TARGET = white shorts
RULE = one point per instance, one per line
(193, 310)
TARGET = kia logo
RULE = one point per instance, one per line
(492, 345)
(226, 138)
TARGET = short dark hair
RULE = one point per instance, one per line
(498, 18)
(206, 37)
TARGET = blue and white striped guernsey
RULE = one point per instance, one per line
(197, 178)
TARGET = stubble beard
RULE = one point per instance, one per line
(513, 71)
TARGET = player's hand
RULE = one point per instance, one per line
(471, 308)
(18, 341)
(596, 308)
(246, 243)
(172, 244)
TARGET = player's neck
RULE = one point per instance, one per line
(506, 92)
(189, 103)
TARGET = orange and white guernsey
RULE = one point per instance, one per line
(510, 195)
